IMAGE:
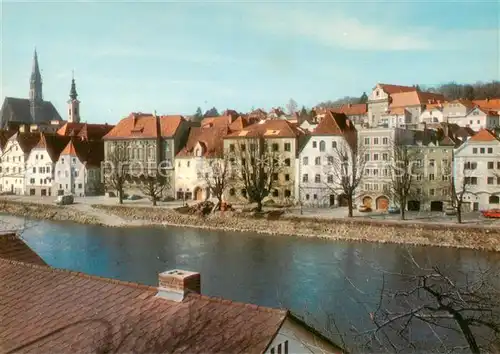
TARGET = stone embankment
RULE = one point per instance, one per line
(461, 236)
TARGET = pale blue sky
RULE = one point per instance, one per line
(174, 56)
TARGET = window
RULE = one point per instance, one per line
(431, 191)
(329, 179)
(305, 161)
(375, 141)
(431, 162)
(375, 157)
(490, 150)
(315, 196)
(367, 141)
(470, 165)
(34, 169)
(275, 194)
(431, 177)
(375, 172)
(334, 144)
(367, 157)
(275, 147)
(288, 193)
(243, 147)
(32, 181)
(275, 176)
(491, 165)
(317, 179)
(385, 156)
(315, 144)
(287, 162)
(471, 180)
(288, 147)
(39, 170)
(481, 150)
(474, 150)
(330, 160)
(48, 169)
(252, 147)
(305, 177)
(322, 146)
(490, 180)
(307, 196)
(79, 186)
(385, 141)
(232, 192)
(244, 193)
(494, 199)
(317, 161)
(287, 177)
(231, 147)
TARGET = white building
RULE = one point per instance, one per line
(478, 161)
(317, 173)
(13, 162)
(468, 114)
(78, 168)
(41, 164)
(433, 114)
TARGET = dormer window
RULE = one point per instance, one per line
(377, 93)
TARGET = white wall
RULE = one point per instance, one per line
(300, 340)
(39, 172)
(70, 175)
(13, 168)
(431, 116)
(480, 192)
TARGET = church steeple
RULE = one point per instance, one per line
(36, 81)
(73, 103)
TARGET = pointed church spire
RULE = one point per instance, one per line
(72, 93)
(35, 80)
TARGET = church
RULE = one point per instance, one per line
(33, 110)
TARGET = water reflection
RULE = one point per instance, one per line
(303, 274)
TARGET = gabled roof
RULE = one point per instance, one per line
(18, 110)
(467, 103)
(334, 124)
(209, 137)
(414, 98)
(484, 135)
(490, 104)
(26, 141)
(220, 121)
(12, 247)
(91, 153)
(352, 109)
(5, 135)
(145, 126)
(483, 110)
(239, 124)
(273, 128)
(85, 130)
(46, 310)
(53, 144)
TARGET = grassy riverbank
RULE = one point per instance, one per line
(461, 236)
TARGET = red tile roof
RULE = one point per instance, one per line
(490, 104)
(391, 89)
(14, 248)
(89, 152)
(54, 144)
(414, 98)
(333, 124)
(47, 310)
(484, 135)
(274, 128)
(210, 138)
(85, 130)
(352, 109)
(144, 126)
(221, 121)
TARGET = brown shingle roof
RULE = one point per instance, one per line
(391, 89)
(333, 124)
(14, 248)
(275, 128)
(49, 310)
(89, 152)
(221, 121)
(144, 126)
(352, 109)
(414, 98)
(54, 144)
(210, 139)
(26, 141)
(490, 104)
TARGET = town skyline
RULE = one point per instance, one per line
(123, 66)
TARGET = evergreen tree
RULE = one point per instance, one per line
(303, 112)
(212, 112)
(198, 116)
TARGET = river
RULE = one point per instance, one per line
(309, 276)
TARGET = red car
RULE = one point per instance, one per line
(491, 213)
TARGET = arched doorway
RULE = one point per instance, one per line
(382, 203)
(436, 206)
(367, 202)
(198, 193)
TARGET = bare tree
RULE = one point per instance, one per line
(345, 169)
(115, 170)
(218, 177)
(291, 106)
(154, 186)
(404, 166)
(459, 186)
(257, 164)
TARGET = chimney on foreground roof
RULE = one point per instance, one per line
(175, 284)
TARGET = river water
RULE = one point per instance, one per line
(313, 277)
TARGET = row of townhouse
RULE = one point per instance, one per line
(48, 164)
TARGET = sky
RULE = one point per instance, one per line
(142, 56)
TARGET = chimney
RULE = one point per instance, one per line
(175, 284)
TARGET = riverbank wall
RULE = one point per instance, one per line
(360, 230)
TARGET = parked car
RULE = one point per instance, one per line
(491, 213)
(364, 209)
(65, 199)
(450, 211)
(134, 197)
(393, 210)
